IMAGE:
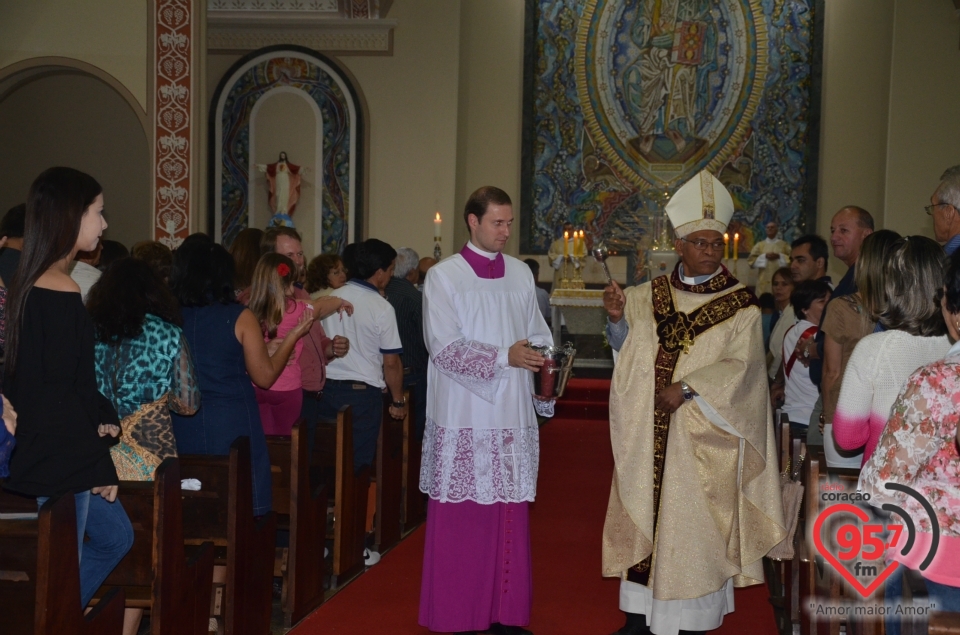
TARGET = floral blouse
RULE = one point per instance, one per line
(918, 449)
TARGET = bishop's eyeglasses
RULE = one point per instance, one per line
(701, 245)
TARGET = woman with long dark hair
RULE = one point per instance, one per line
(64, 424)
(143, 363)
(229, 352)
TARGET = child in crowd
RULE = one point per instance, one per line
(272, 302)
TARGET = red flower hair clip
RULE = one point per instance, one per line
(283, 270)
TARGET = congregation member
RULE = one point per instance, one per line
(808, 259)
(144, 368)
(65, 426)
(318, 348)
(782, 319)
(272, 302)
(324, 274)
(11, 228)
(229, 353)
(767, 256)
(481, 445)
(918, 449)
(543, 297)
(155, 254)
(143, 363)
(407, 302)
(373, 365)
(245, 250)
(111, 250)
(848, 229)
(84, 270)
(851, 318)
(8, 440)
(944, 207)
(695, 421)
(914, 335)
(425, 263)
(799, 393)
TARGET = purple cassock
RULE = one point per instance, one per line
(481, 445)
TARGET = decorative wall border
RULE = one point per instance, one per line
(252, 30)
(173, 114)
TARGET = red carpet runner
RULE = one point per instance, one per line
(570, 597)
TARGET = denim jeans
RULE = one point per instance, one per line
(947, 598)
(367, 403)
(417, 383)
(111, 537)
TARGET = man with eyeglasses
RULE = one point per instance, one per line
(691, 432)
(945, 211)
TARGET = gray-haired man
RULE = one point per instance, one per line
(945, 209)
(407, 302)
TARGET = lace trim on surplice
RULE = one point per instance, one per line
(473, 365)
(483, 466)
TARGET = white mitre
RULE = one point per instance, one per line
(702, 203)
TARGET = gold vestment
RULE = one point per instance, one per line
(709, 528)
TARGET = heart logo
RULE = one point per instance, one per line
(847, 575)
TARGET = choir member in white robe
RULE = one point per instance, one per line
(481, 444)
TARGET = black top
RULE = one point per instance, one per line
(9, 259)
(407, 302)
(54, 390)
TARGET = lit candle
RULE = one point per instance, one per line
(726, 245)
(583, 245)
(436, 226)
(736, 246)
(566, 237)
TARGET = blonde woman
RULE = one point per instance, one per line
(273, 304)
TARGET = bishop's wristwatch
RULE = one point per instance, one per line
(687, 391)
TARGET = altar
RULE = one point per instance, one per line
(584, 318)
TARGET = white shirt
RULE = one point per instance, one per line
(800, 393)
(85, 276)
(372, 331)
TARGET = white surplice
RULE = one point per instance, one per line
(481, 442)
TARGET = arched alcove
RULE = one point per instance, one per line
(332, 170)
(56, 111)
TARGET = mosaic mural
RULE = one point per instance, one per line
(334, 104)
(630, 98)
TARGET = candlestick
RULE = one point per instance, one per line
(436, 226)
(726, 245)
(736, 246)
(566, 237)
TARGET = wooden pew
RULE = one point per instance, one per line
(40, 577)
(944, 623)
(414, 508)
(390, 477)
(303, 512)
(156, 574)
(807, 552)
(350, 504)
(222, 512)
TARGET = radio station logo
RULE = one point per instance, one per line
(854, 540)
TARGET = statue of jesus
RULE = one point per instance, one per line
(283, 178)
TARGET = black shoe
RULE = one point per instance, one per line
(502, 629)
(636, 625)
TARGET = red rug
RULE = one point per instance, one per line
(570, 596)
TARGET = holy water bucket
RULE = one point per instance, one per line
(551, 380)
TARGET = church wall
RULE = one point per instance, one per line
(856, 92)
(890, 116)
(109, 34)
(76, 120)
(924, 125)
(412, 107)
